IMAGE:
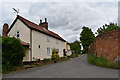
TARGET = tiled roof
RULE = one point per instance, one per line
(36, 27)
(24, 44)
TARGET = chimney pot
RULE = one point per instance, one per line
(45, 19)
(40, 21)
(5, 29)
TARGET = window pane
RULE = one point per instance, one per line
(48, 51)
(48, 38)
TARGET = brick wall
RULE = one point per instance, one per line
(107, 45)
(5, 29)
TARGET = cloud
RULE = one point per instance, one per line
(65, 18)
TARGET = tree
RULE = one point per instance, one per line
(86, 38)
(12, 52)
(106, 28)
(75, 47)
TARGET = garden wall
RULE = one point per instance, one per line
(107, 45)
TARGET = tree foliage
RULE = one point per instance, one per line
(75, 47)
(106, 28)
(86, 38)
(12, 52)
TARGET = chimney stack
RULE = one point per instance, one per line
(45, 19)
(40, 21)
(5, 29)
(44, 24)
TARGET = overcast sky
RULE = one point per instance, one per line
(64, 18)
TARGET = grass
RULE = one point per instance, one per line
(103, 62)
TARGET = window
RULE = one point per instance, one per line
(48, 38)
(38, 46)
(18, 34)
(48, 51)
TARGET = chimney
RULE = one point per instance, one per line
(40, 21)
(44, 24)
(45, 19)
(5, 29)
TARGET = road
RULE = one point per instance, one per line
(74, 68)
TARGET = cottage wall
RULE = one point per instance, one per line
(42, 40)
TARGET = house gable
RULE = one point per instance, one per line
(19, 26)
(36, 27)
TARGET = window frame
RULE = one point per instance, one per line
(48, 50)
(48, 38)
(18, 34)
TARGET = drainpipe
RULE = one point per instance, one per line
(31, 46)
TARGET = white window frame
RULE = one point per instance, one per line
(18, 33)
(48, 51)
(48, 38)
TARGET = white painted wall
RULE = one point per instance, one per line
(24, 35)
(41, 39)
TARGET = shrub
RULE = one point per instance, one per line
(54, 50)
(103, 62)
(74, 55)
(62, 57)
(46, 59)
(12, 53)
(55, 57)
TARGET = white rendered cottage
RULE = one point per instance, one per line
(38, 39)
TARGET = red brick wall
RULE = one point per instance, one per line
(107, 45)
(5, 29)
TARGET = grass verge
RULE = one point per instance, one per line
(103, 62)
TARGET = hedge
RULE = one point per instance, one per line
(12, 53)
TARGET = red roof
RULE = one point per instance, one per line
(24, 44)
(36, 27)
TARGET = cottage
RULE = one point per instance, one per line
(38, 39)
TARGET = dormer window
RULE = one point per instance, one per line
(18, 34)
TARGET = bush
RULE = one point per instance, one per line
(54, 50)
(62, 57)
(103, 62)
(74, 55)
(12, 53)
(46, 59)
(55, 57)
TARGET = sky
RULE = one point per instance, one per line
(65, 18)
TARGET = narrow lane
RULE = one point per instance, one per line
(75, 68)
